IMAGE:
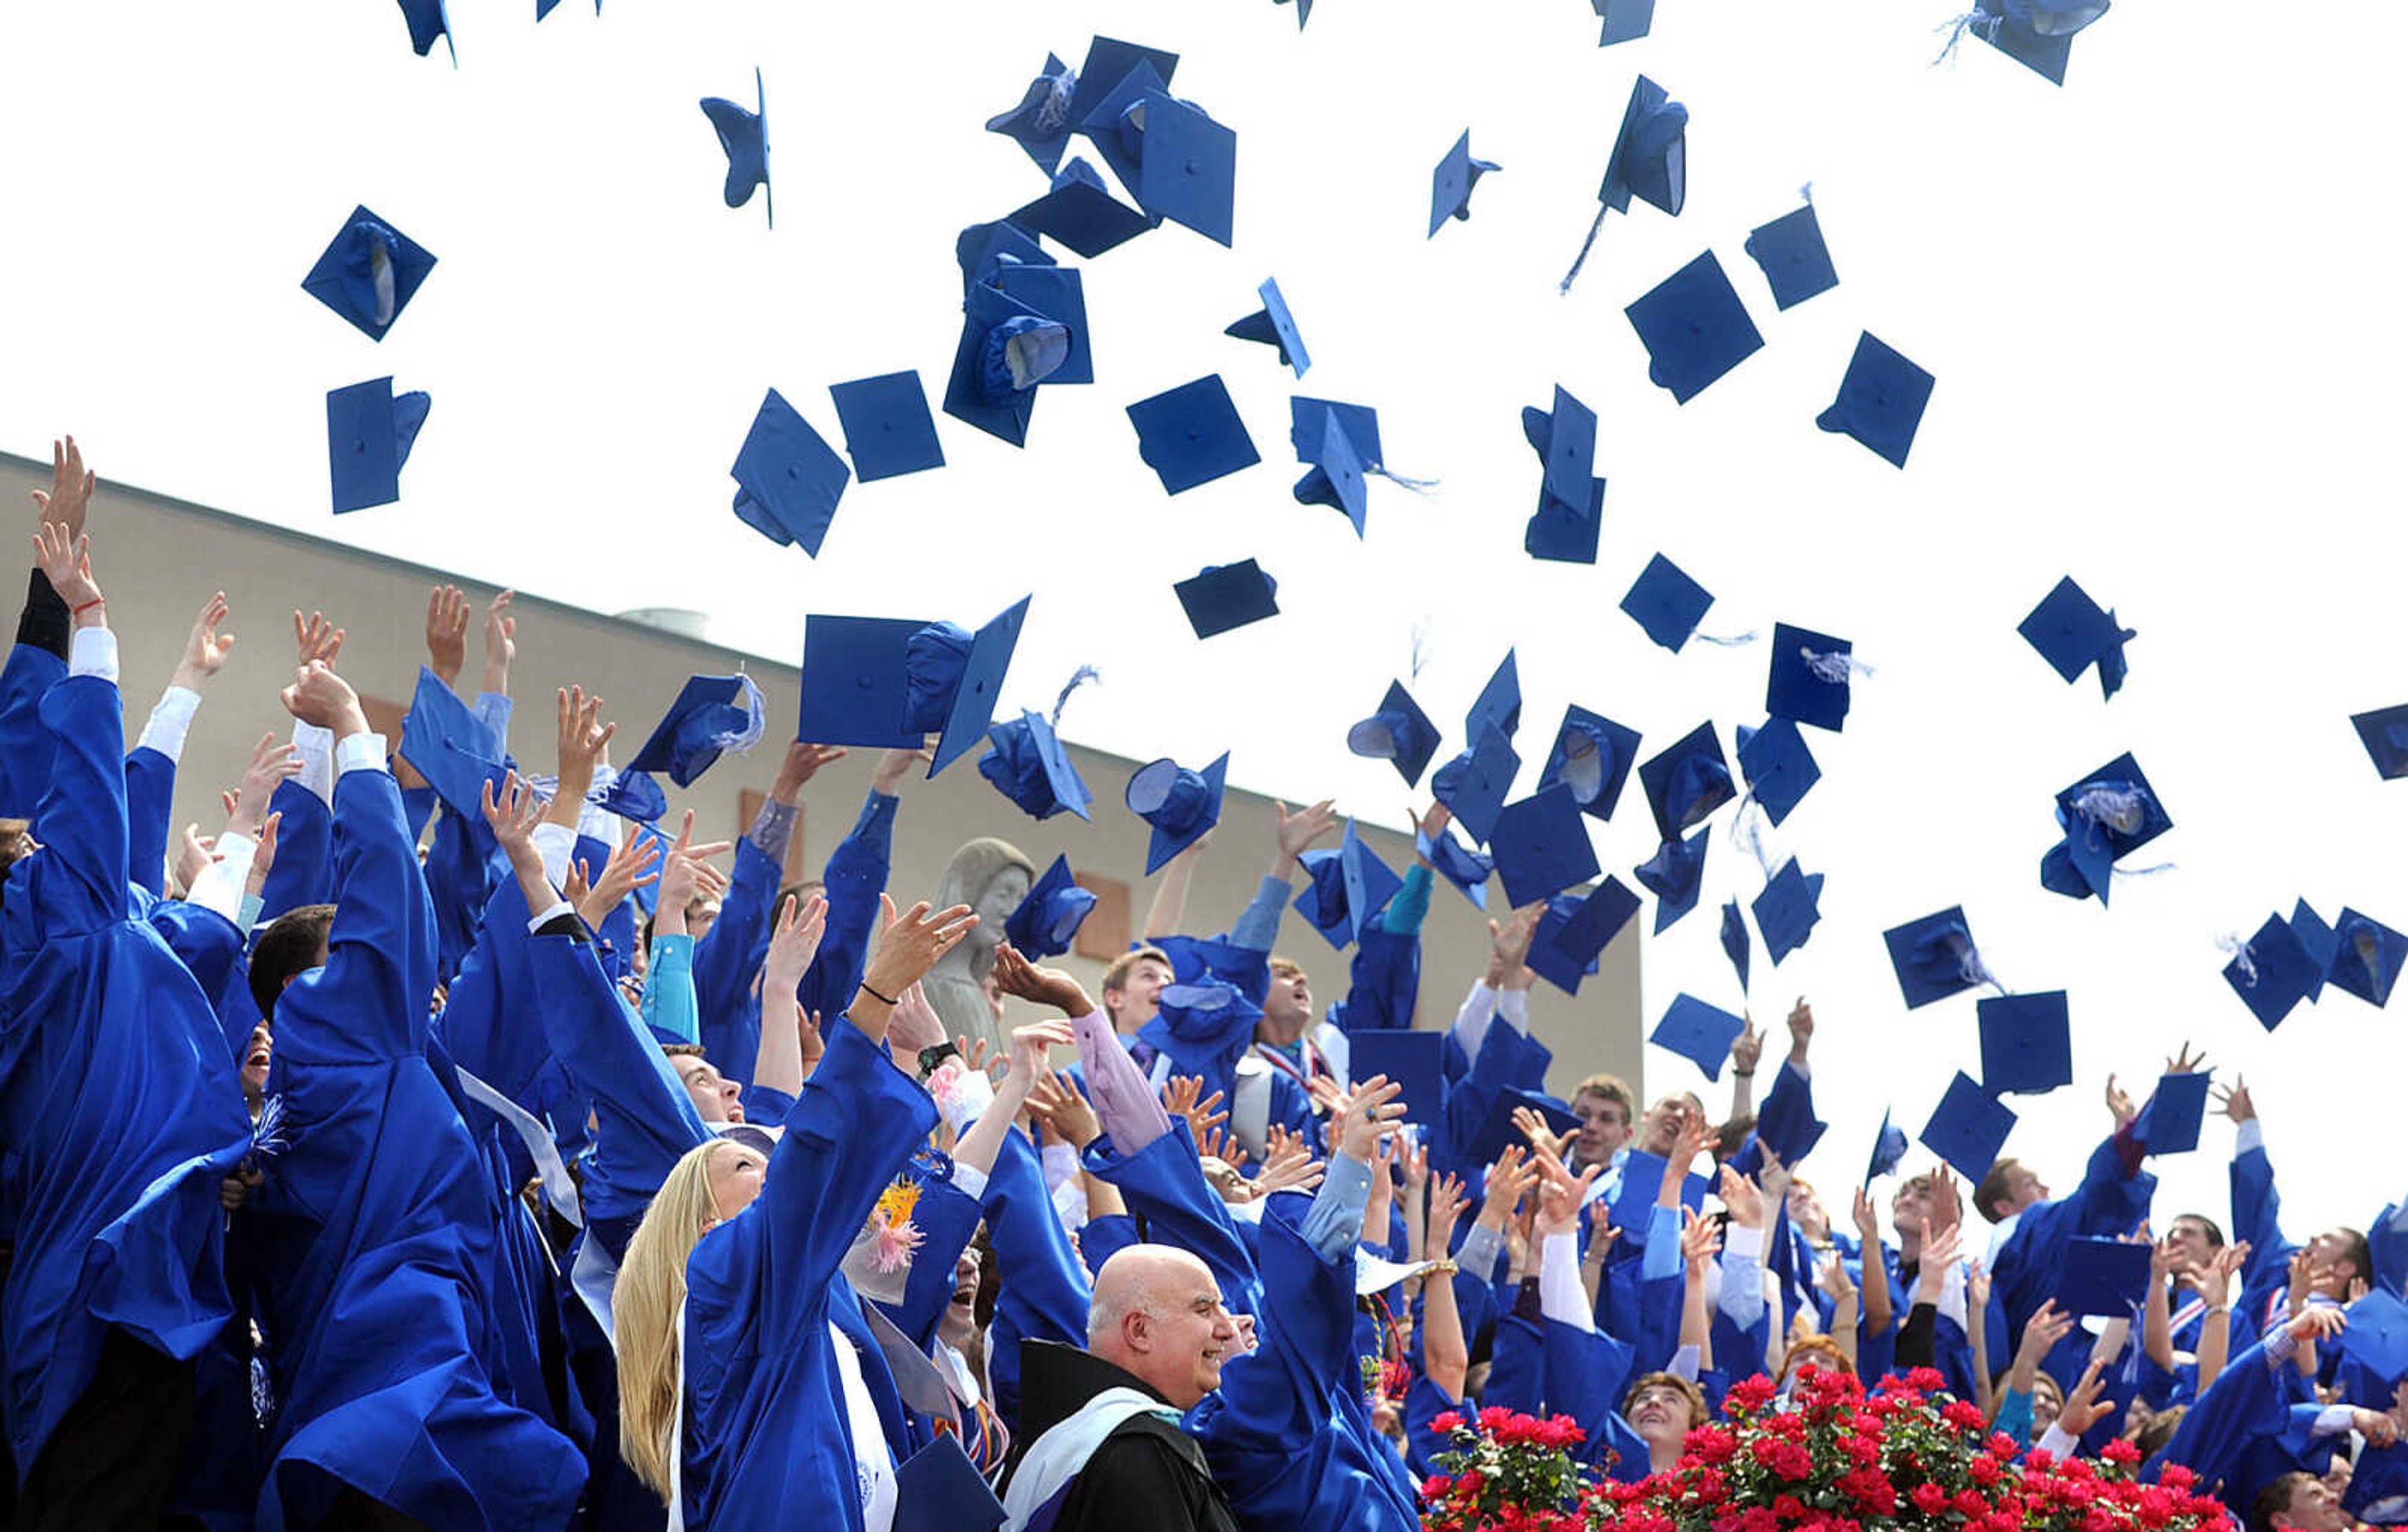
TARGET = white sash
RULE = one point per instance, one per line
(558, 1189)
(1250, 1107)
(1055, 1459)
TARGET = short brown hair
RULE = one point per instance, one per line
(290, 947)
(1994, 1189)
(2275, 1501)
(1116, 977)
(1698, 1413)
(1612, 1088)
(1285, 968)
(681, 1050)
(1732, 1136)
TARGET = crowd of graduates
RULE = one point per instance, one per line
(426, 1150)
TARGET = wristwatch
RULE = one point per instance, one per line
(931, 1057)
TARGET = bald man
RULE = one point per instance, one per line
(1104, 1447)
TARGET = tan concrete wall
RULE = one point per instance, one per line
(159, 558)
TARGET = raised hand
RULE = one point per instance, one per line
(1221, 1144)
(2046, 1327)
(579, 739)
(2183, 1064)
(801, 925)
(1744, 1199)
(634, 863)
(1700, 1242)
(271, 763)
(69, 496)
(2083, 1408)
(916, 1025)
(194, 855)
(262, 861)
(1447, 1206)
(513, 817)
(1298, 830)
(1977, 1286)
(1508, 1179)
(1947, 1208)
(1867, 1221)
(65, 559)
(1532, 1126)
(1293, 1169)
(205, 648)
(1602, 1235)
(1031, 1050)
(1060, 1105)
(316, 638)
(1747, 1048)
(501, 643)
(2321, 1323)
(1370, 1114)
(447, 633)
(895, 765)
(2120, 1103)
(1833, 1279)
(1180, 1097)
(324, 700)
(1016, 976)
(800, 763)
(2233, 1100)
(1801, 1030)
(1563, 1196)
(973, 1051)
(2214, 1281)
(1939, 1254)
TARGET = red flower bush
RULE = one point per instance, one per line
(1507, 1471)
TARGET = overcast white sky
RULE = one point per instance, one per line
(2161, 304)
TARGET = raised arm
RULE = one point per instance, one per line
(791, 1045)
(79, 876)
(1167, 916)
(1446, 1356)
(1873, 1265)
(1257, 927)
(727, 958)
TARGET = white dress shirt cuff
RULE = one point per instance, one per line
(93, 652)
(170, 721)
(360, 752)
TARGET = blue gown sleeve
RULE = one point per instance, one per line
(304, 873)
(854, 876)
(2247, 1402)
(203, 940)
(1517, 1368)
(1383, 980)
(729, 955)
(1276, 1394)
(1104, 1237)
(2258, 1218)
(1586, 1374)
(766, 1106)
(492, 1019)
(1164, 1185)
(947, 1218)
(369, 1004)
(1045, 1290)
(463, 868)
(2110, 1200)
(78, 883)
(149, 802)
(25, 744)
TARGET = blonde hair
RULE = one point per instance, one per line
(644, 1306)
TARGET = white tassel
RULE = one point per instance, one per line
(1079, 677)
(2238, 951)
(1833, 667)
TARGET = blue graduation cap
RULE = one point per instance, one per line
(1687, 781)
(1561, 532)
(939, 1489)
(1408, 1058)
(369, 274)
(1666, 603)
(1808, 678)
(1400, 733)
(1007, 348)
(1701, 1033)
(2106, 1278)
(1079, 211)
(1115, 123)
(1499, 702)
(1028, 766)
(1045, 922)
(1307, 424)
(788, 479)
(1881, 401)
(1695, 328)
(1969, 1128)
(1673, 874)
(1889, 1147)
(952, 680)
(1451, 859)
(1778, 766)
(986, 251)
(1592, 756)
(2320, 940)
(1786, 1126)
(2272, 973)
(1794, 259)
(1181, 804)
(1452, 182)
(2036, 34)
(1187, 171)
(1192, 435)
(2112, 666)
(2108, 815)
(428, 19)
(1110, 61)
(856, 681)
(2070, 630)
(712, 715)
(1273, 325)
(369, 432)
(1541, 846)
(1735, 942)
(2385, 733)
(1336, 477)
(2367, 958)
(2026, 1043)
(1345, 889)
(630, 795)
(1935, 957)
(1060, 294)
(1573, 931)
(887, 427)
(1473, 785)
(2377, 1337)
(450, 746)
(1040, 123)
(1786, 911)
(1498, 1133)
(1201, 1024)
(1642, 1181)
(1650, 158)
(1227, 595)
(1624, 21)
(1564, 438)
(745, 138)
(2171, 1120)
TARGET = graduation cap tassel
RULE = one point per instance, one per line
(1055, 113)
(1581, 259)
(1732, 641)
(1970, 966)
(1419, 486)
(1835, 667)
(2120, 807)
(1744, 833)
(1957, 26)
(1079, 677)
(1422, 626)
(2242, 961)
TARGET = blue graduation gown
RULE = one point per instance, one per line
(767, 1432)
(122, 1110)
(1164, 1185)
(1287, 1436)
(853, 877)
(304, 873)
(25, 678)
(2232, 1437)
(2110, 1200)
(149, 803)
(1045, 1290)
(728, 958)
(378, 1243)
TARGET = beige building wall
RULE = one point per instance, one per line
(159, 559)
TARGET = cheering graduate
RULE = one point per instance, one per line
(743, 1395)
(122, 1110)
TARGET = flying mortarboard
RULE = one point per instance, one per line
(1045, 922)
(2108, 815)
(2070, 630)
(1564, 533)
(1227, 595)
(1786, 1126)
(1192, 435)
(1794, 259)
(1345, 889)
(938, 1489)
(1452, 182)
(1685, 781)
(450, 746)
(1735, 942)
(1028, 766)
(2036, 34)
(2171, 1120)
(369, 432)
(1935, 957)
(1400, 733)
(1968, 1129)
(1624, 21)
(1408, 1058)
(2385, 733)
(712, 715)
(1107, 63)
(1451, 859)
(985, 250)
(428, 19)
(1674, 875)
(1807, 679)
(887, 427)
(856, 681)
(788, 478)
(1473, 785)
(1889, 1147)
(1006, 350)
(1881, 401)
(2367, 958)
(1592, 756)
(1649, 161)
(745, 137)
(1115, 123)
(2377, 1337)
(1701, 1033)
(1541, 846)
(2026, 1043)
(1274, 326)
(1336, 477)
(2319, 939)
(1060, 294)
(1778, 766)
(1642, 1181)
(1695, 328)
(2271, 972)
(1499, 702)
(1666, 603)
(1079, 211)
(1040, 123)
(2103, 1277)
(1574, 931)
(1181, 804)
(952, 680)
(1786, 911)
(370, 274)
(1188, 169)
(1564, 438)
